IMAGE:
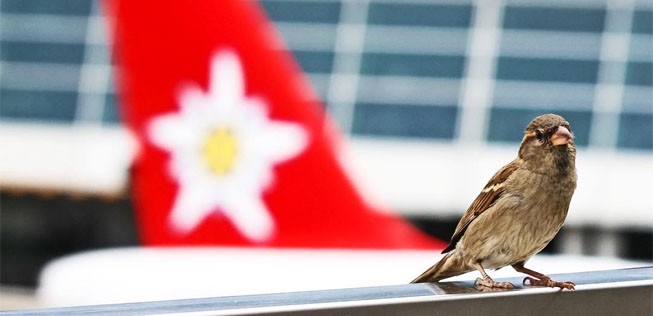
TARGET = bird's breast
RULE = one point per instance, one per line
(521, 223)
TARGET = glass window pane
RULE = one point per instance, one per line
(636, 131)
(413, 65)
(419, 14)
(302, 11)
(643, 22)
(404, 120)
(554, 19)
(111, 110)
(540, 69)
(52, 106)
(72, 7)
(42, 52)
(639, 73)
(315, 62)
(507, 125)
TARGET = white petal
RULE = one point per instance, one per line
(164, 131)
(191, 100)
(250, 216)
(189, 209)
(283, 141)
(226, 85)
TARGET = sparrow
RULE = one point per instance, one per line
(518, 212)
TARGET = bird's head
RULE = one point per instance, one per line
(548, 144)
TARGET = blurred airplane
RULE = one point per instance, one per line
(235, 152)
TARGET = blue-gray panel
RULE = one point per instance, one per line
(554, 19)
(640, 73)
(445, 66)
(643, 22)
(420, 14)
(54, 106)
(13, 51)
(303, 11)
(405, 120)
(508, 124)
(541, 69)
(315, 61)
(67, 7)
(635, 131)
(111, 111)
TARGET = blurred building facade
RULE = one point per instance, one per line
(431, 78)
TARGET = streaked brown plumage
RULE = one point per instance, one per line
(519, 211)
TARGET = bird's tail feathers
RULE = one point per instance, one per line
(450, 265)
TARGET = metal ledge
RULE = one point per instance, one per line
(614, 292)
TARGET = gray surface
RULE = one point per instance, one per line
(615, 292)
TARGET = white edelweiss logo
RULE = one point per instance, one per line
(223, 147)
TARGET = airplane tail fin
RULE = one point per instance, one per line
(234, 149)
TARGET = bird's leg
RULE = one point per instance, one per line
(539, 279)
(487, 281)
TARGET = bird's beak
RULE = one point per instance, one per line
(561, 136)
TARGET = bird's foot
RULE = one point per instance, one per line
(550, 283)
(489, 283)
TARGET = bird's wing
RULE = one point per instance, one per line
(492, 191)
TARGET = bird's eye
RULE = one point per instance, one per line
(539, 134)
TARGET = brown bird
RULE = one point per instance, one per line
(518, 212)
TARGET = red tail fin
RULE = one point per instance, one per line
(234, 149)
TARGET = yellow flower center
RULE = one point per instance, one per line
(220, 149)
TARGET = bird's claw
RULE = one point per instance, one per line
(549, 283)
